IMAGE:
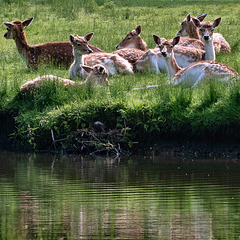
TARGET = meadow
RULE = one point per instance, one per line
(211, 111)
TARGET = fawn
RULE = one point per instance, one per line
(189, 28)
(195, 73)
(113, 62)
(97, 75)
(59, 53)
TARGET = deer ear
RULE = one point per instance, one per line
(157, 39)
(8, 24)
(188, 17)
(201, 17)
(216, 22)
(101, 69)
(87, 68)
(71, 38)
(176, 40)
(27, 22)
(196, 22)
(138, 29)
(88, 36)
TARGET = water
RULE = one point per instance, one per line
(60, 197)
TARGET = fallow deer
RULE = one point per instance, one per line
(134, 40)
(113, 62)
(152, 58)
(97, 75)
(206, 33)
(33, 55)
(188, 28)
(195, 73)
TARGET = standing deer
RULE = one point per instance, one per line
(113, 62)
(97, 75)
(195, 73)
(33, 55)
(189, 28)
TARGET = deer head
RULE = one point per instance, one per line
(206, 29)
(133, 40)
(80, 44)
(188, 28)
(166, 47)
(97, 75)
(15, 28)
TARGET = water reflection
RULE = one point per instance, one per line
(63, 197)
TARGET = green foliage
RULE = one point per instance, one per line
(143, 114)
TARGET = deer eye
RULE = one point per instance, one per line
(79, 44)
(171, 46)
(201, 30)
(8, 28)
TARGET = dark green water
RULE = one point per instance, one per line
(59, 197)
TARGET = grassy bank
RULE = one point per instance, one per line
(54, 112)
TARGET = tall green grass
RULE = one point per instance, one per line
(212, 110)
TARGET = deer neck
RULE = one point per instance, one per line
(142, 45)
(76, 69)
(193, 31)
(22, 44)
(209, 50)
(172, 66)
(78, 59)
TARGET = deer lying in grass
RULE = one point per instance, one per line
(56, 52)
(152, 58)
(113, 62)
(195, 73)
(189, 28)
(134, 40)
(97, 75)
(207, 36)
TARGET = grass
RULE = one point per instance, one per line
(210, 111)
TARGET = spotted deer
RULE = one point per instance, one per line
(133, 48)
(206, 30)
(113, 62)
(195, 73)
(97, 75)
(134, 40)
(189, 28)
(59, 53)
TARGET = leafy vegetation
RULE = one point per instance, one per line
(210, 111)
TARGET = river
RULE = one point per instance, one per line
(46, 196)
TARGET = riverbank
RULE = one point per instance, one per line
(112, 143)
